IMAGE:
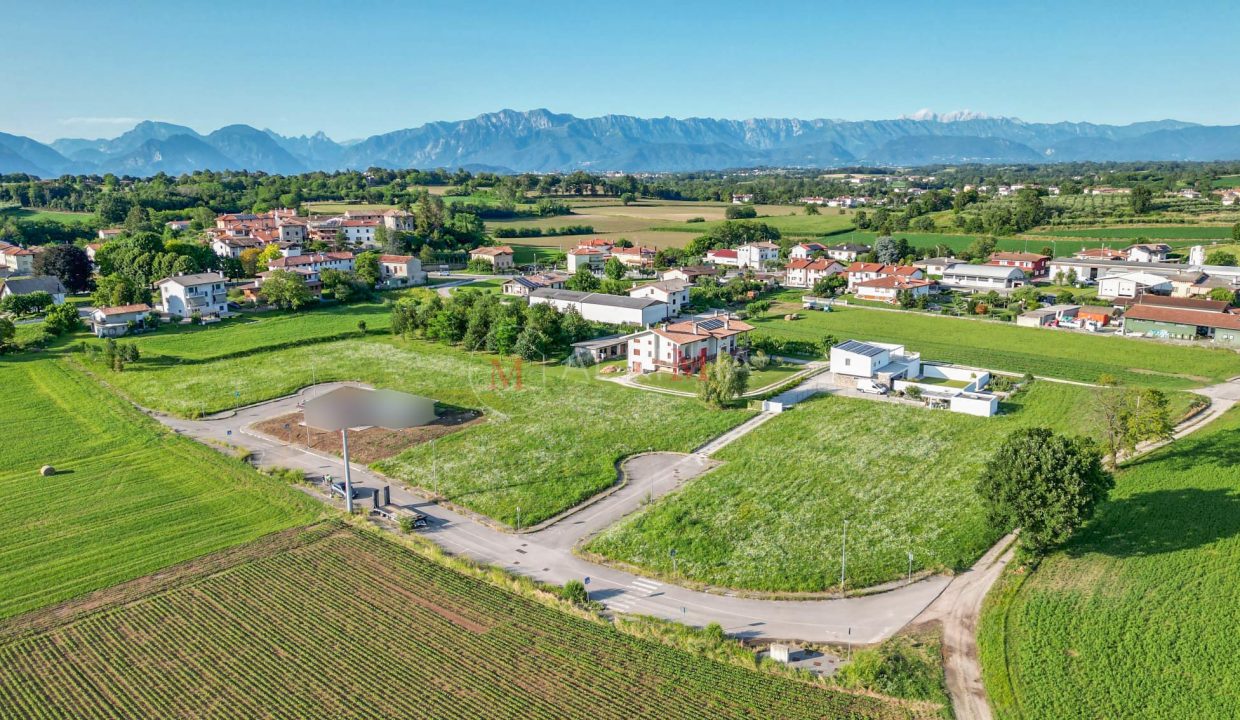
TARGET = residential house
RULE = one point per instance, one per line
(202, 293)
(500, 256)
(1148, 252)
(889, 287)
(400, 271)
(106, 234)
(601, 307)
(399, 220)
(959, 389)
(742, 198)
(117, 320)
(590, 258)
(1033, 264)
(641, 257)
(232, 247)
(49, 284)
(804, 273)
(599, 244)
(611, 347)
(805, 251)
(863, 271)
(177, 225)
(872, 360)
(936, 265)
(1131, 285)
(847, 252)
(1190, 193)
(360, 232)
(690, 272)
(685, 347)
(756, 255)
(1100, 254)
(92, 249)
(316, 262)
(523, 285)
(965, 276)
(724, 256)
(673, 292)
(16, 260)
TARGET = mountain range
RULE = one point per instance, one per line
(543, 141)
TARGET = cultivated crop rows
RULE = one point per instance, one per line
(352, 626)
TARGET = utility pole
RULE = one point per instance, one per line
(844, 556)
(348, 481)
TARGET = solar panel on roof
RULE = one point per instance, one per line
(712, 324)
(860, 348)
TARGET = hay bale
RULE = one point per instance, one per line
(47, 471)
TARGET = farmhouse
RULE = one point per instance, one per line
(1182, 323)
(600, 307)
(397, 219)
(1130, 285)
(872, 365)
(723, 256)
(673, 292)
(889, 287)
(847, 252)
(741, 199)
(106, 234)
(202, 293)
(400, 271)
(685, 347)
(118, 320)
(500, 256)
(802, 272)
(982, 277)
(49, 284)
(523, 285)
(177, 225)
(1048, 316)
(591, 258)
(804, 251)
(1033, 264)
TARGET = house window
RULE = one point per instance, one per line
(847, 362)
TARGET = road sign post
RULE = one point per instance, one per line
(586, 583)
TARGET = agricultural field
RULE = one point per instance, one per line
(771, 518)
(1009, 348)
(788, 219)
(329, 621)
(1132, 232)
(532, 451)
(1227, 181)
(127, 499)
(543, 254)
(1136, 617)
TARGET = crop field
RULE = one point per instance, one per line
(959, 243)
(534, 452)
(1131, 232)
(332, 622)
(1227, 181)
(180, 343)
(128, 498)
(788, 219)
(1007, 347)
(771, 518)
(1137, 616)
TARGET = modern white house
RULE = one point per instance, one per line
(118, 320)
(400, 271)
(601, 307)
(673, 292)
(202, 293)
(883, 361)
(856, 364)
(982, 277)
(756, 255)
(1132, 284)
(684, 347)
(49, 284)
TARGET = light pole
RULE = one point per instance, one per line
(910, 566)
(843, 555)
(348, 481)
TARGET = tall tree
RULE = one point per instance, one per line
(723, 381)
(67, 262)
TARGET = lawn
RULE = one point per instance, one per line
(771, 518)
(60, 216)
(758, 379)
(333, 622)
(1007, 347)
(1131, 232)
(544, 446)
(128, 498)
(1137, 616)
(528, 254)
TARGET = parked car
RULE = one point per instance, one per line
(870, 387)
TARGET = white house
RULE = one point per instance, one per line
(177, 225)
(805, 251)
(847, 252)
(591, 258)
(400, 271)
(1148, 252)
(601, 307)
(316, 262)
(523, 285)
(1132, 284)
(956, 388)
(684, 347)
(756, 255)
(202, 293)
(232, 247)
(965, 276)
(360, 231)
(691, 273)
(741, 198)
(115, 321)
(724, 256)
(673, 292)
(882, 361)
(936, 265)
(888, 288)
(500, 256)
(634, 256)
(803, 273)
(17, 260)
(397, 219)
(49, 284)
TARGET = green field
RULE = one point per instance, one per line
(790, 220)
(959, 243)
(903, 476)
(758, 379)
(60, 216)
(128, 498)
(1131, 232)
(1227, 181)
(1007, 347)
(529, 254)
(1138, 615)
(332, 622)
(533, 452)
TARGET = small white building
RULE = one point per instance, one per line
(202, 293)
(936, 265)
(871, 360)
(847, 252)
(673, 292)
(982, 278)
(116, 321)
(400, 220)
(601, 307)
(1132, 284)
(232, 247)
(959, 389)
(805, 251)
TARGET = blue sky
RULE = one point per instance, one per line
(355, 69)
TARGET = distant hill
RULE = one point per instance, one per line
(543, 141)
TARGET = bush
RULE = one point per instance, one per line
(740, 212)
(406, 524)
(759, 361)
(574, 591)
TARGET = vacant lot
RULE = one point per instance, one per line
(128, 497)
(1151, 232)
(772, 517)
(331, 622)
(550, 439)
(1004, 346)
(1137, 617)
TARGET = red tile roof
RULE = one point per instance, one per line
(721, 253)
(1183, 316)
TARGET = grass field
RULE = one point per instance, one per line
(333, 622)
(59, 216)
(128, 497)
(534, 451)
(788, 219)
(1007, 347)
(771, 518)
(523, 254)
(1227, 181)
(1137, 616)
(1131, 232)
(758, 379)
